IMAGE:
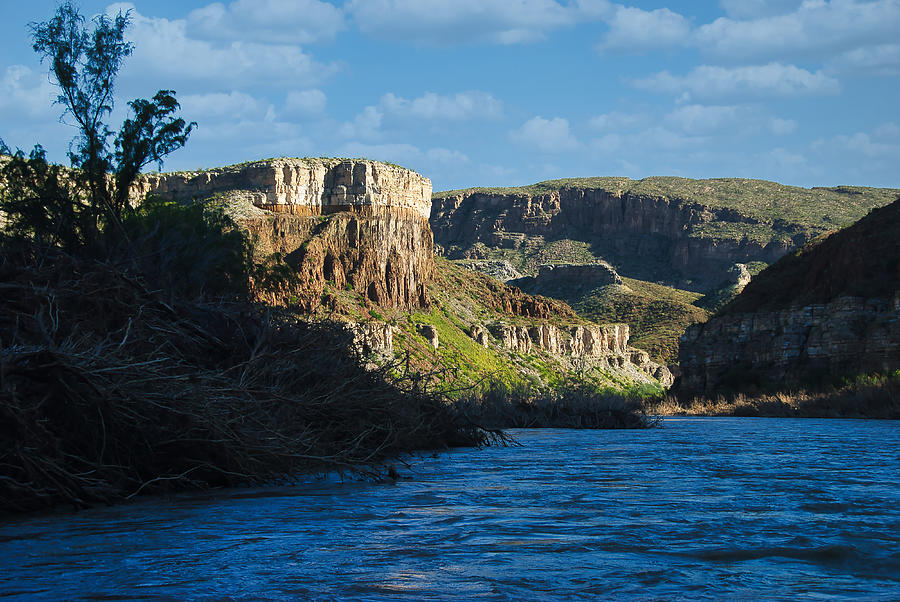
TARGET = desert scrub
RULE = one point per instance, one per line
(110, 389)
(572, 405)
(863, 396)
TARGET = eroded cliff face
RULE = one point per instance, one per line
(828, 310)
(799, 346)
(605, 345)
(302, 186)
(357, 224)
(643, 235)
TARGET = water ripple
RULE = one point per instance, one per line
(699, 509)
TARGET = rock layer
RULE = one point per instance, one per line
(645, 235)
(828, 310)
(791, 347)
(302, 186)
(352, 223)
(597, 344)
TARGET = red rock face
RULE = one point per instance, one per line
(355, 224)
(388, 257)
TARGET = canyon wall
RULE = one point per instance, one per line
(828, 310)
(355, 224)
(604, 345)
(800, 346)
(644, 236)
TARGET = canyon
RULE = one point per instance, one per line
(828, 311)
(358, 227)
(356, 224)
(685, 233)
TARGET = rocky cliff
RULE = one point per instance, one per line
(684, 232)
(352, 223)
(829, 310)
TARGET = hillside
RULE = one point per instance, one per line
(681, 232)
(826, 312)
(862, 260)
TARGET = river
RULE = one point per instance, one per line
(699, 508)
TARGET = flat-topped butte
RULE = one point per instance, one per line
(307, 186)
(816, 209)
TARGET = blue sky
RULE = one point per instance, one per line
(506, 92)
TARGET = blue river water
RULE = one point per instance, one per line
(699, 508)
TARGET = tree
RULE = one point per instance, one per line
(84, 64)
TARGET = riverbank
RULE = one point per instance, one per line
(110, 388)
(868, 396)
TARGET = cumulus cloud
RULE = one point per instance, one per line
(466, 21)
(231, 106)
(782, 127)
(879, 61)
(270, 21)
(701, 119)
(547, 135)
(305, 102)
(816, 29)
(26, 93)
(445, 155)
(165, 52)
(759, 81)
(365, 126)
(462, 106)
(633, 29)
(615, 120)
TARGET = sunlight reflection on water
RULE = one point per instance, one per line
(702, 507)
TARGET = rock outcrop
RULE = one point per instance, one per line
(598, 344)
(564, 280)
(355, 224)
(302, 186)
(372, 338)
(801, 346)
(495, 268)
(829, 310)
(649, 237)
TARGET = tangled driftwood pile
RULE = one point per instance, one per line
(107, 391)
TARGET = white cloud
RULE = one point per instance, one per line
(401, 154)
(744, 9)
(785, 158)
(465, 21)
(654, 140)
(26, 93)
(632, 29)
(305, 102)
(782, 127)
(551, 136)
(462, 106)
(759, 81)
(816, 29)
(879, 61)
(860, 143)
(615, 121)
(166, 55)
(270, 21)
(699, 119)
(366, 125)
(234, 106)
(444, 155)
(887, 130)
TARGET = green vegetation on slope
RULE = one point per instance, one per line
(817, 208)
(862, 260)
(656, 314)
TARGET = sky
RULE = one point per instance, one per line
(503, 92)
